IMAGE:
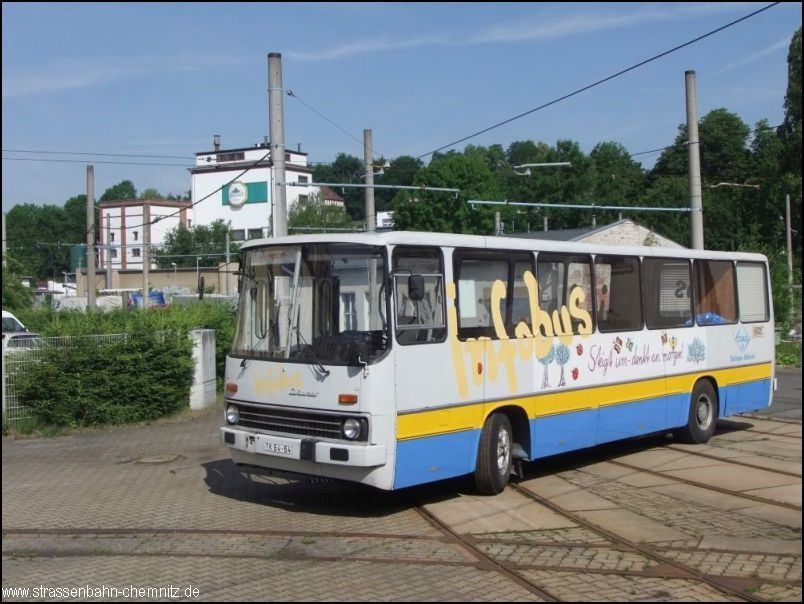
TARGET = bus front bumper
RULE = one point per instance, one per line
(303, 449)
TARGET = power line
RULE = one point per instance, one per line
(98, 154)
(601, 81)
(83, 161)
(321, 115)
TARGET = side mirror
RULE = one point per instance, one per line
(416, 288)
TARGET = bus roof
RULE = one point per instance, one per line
(500, 243)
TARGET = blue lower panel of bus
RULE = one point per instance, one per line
(742, 398)
(426, 459)
(626, 420)
(562, 433)
(421, 460)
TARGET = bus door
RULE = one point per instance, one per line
(428, 424)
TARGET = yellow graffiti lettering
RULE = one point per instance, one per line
(277, 381)
(576, 298)
(457, 356)
(542, 326)
(534, 340)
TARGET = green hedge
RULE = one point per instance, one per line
(144, 377)
(147, 376)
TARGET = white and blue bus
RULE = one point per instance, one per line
(401, 358)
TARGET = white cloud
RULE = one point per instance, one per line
(782, 44)
(70, 74)
(543, 26)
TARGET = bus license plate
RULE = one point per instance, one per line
(280, 449)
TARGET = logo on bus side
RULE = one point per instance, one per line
(528, 342)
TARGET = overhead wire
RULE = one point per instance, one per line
(599, 82)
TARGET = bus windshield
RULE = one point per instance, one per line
(323, 304)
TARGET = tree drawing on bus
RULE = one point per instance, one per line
(562, 357)
(696, 351)
(546, 360)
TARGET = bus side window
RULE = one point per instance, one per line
(619, 303)
(419, 315)
(668, 285)
(752, 292)
(715, 296)
(559, 275)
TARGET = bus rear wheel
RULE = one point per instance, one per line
(494, 455)
(703, 414)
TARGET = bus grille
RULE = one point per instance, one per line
(290, 422)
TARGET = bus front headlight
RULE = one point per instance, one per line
(232, 414)
(351, 428)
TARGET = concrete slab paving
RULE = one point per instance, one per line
(790, 494)
(700, 495)
(773, 514)
(734, 478)
(566, 495)
(508, 511)
(742, 544)
(632, 526)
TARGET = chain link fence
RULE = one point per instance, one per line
(21, 352)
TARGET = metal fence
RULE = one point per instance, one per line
(20, 353)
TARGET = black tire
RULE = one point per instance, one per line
(703, 414)
(494, 455)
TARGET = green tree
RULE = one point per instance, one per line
(346, 169)
(151, 193)
(616, 178)
(204, 242)
(313, 213)
(122, 190)
(402, 171)
(438, 211)
(15, 295)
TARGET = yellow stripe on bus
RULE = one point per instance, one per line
(472, 416)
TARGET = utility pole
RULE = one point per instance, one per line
(108, 251)
(277, 130)
(368, 158)
(789, 256)
(4, 240)
(146, 258)
(694, 155)
(91, 238)
(226, 271)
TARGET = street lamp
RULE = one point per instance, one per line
(527, 167)
(173, 264)
(197, 272)
(527, 172)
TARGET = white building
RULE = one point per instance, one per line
(124, 220)
(247, 202)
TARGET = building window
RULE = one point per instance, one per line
(136, 235)
(114, 253)
(303, 179)
(111, 236)
(135, 252)
(223, 157)
(239, 234)
(303, 198)
(348, 313)
(189, 223)
(254, 233)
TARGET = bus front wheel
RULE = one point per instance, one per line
(703, 414)
(494, 455)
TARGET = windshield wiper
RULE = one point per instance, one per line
(316, 362)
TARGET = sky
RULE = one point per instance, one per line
(160, 79)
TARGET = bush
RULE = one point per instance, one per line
(144, 377)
